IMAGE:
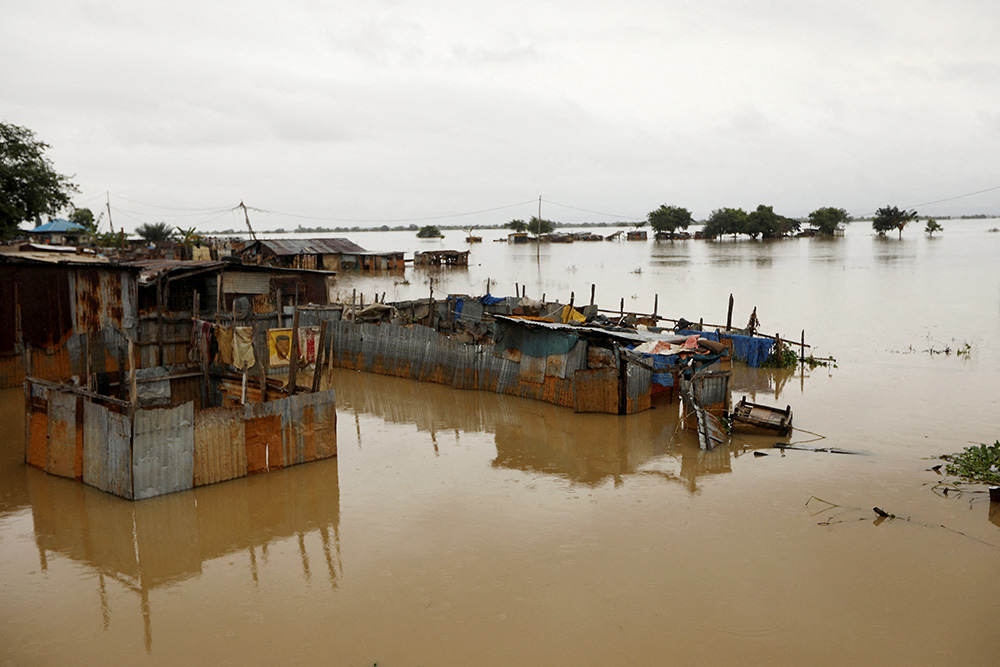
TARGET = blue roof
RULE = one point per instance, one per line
(59, 225)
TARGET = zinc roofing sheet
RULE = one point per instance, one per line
(310, 246)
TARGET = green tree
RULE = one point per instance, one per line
(429, 232)
(539, 226)
(154, 232)
(932, 226)
(890, 217)
(85, 217)
(518, 226)
(669, 219)
(826, 220)
(726, 221)
(29, 185)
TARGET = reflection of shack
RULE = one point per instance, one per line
(144, 548)
(441, 258)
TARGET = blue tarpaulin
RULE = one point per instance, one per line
(489, 300)
(751, 350)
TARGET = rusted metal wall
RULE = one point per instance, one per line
(219, 445)
(36, 436)
(107, 449)
(637, 389)
(163, 450)
(596, 390)
(61, 456)
(312, 427)
(420, 353)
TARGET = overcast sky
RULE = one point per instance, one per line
(372, 112)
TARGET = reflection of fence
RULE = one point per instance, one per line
(139, 452)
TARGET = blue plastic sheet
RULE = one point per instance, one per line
(458, 309)
(489, 300)
(751, 350)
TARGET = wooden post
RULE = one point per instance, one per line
(281, 313)
(487, 285)
(802, 350)
(219, 296)
(259, 363)
(320, 356)
(701, 324)
(572, 298)
(354, 300)
(88, 369)
(293, 361)
(593, 287)
(656, 308)
(160, 308)
(517, 290)
(430, 316)
(729, 317)
(195, 305)
(622, 308)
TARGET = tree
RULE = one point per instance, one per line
(519, 226)
(154, 232)
(84, 217)
(29, 186)
(826, 220)
(726, 221)
(539, 226)
(429, 232)
(669, 219)
(890, 217)
(932, 226)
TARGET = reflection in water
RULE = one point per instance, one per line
(536, 437)
(153, 544)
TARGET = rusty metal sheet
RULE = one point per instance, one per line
(261, 434)
(107, 449)
(163, 450)
(596, 390)
(61, 452)
(312, 427)
(219, 445)
(284, 247)
(533, 369)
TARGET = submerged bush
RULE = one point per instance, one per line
(979, 463)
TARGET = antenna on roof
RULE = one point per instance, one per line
(247, 216)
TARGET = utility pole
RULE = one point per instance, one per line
(110, 224)
(247, 217)
(538, 233)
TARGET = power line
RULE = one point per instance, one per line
(968, 194)
(387, 220)
(587, 210)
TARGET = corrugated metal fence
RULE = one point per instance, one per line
(144, 452)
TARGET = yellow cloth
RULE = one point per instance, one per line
(243, 347)
(224, 337)
(570, 314)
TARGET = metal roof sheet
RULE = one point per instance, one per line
(310, 246)
(59, 225)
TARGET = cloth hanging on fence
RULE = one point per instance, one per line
(224, 338)
(243, 347)
(201, 333)
(308, 342)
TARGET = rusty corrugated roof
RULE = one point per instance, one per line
(282, 247)
(150, 270)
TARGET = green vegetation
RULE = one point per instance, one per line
(781, 357)
(725, 221)
(518, 226)
(979, 463)
(890, 217)
(539, 226)
(932, 226)
(154, 232)
(429, 232)
(29, 185)
(669, 219)
(826, 220)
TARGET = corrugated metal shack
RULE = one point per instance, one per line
(164, 441)
(65, 315)
(319, 254)
(588, 369)
(441, 258)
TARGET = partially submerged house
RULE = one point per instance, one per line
(441, 258)
(322, 254)
(122, 389)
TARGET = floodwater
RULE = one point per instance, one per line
(464, 528)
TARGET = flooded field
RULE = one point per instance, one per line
(466, 528)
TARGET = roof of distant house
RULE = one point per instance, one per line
(57, 226)
(307, 246)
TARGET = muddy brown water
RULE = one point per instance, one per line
(459, 528)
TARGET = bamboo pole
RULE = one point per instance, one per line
(293, 361)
